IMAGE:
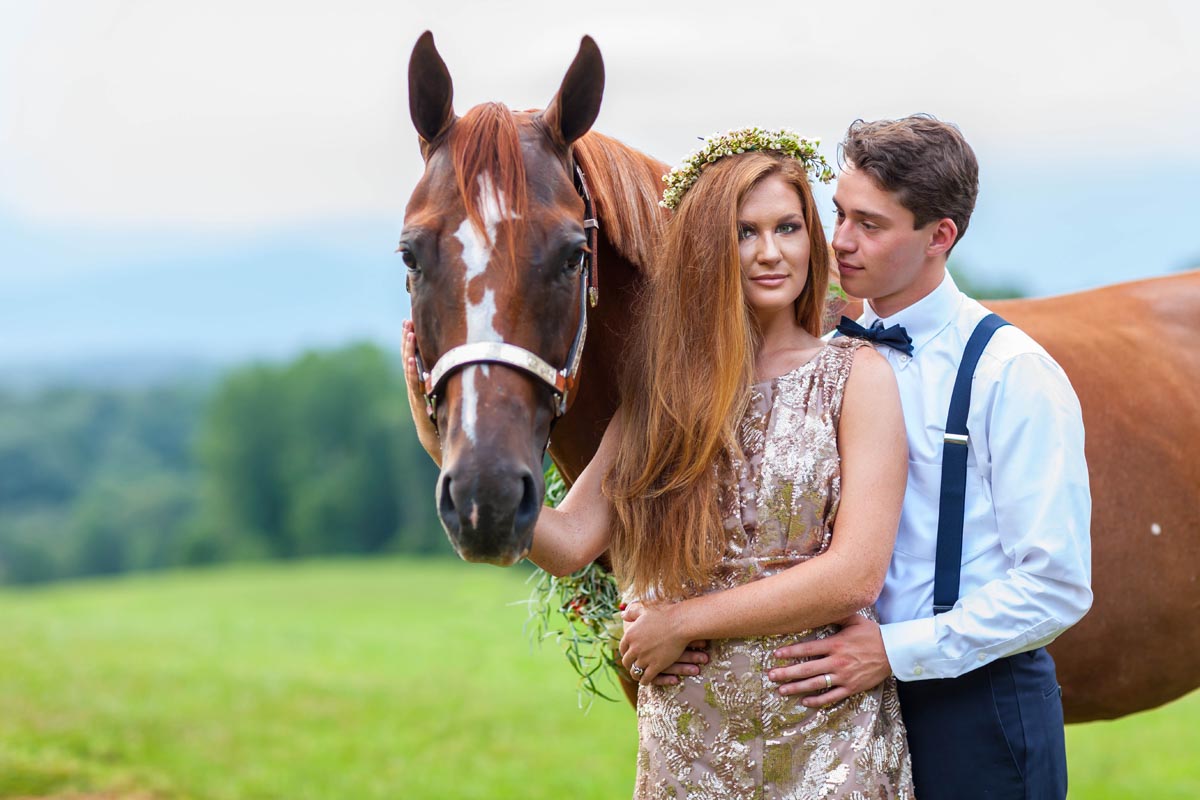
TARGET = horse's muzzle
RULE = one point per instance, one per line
(489, 512)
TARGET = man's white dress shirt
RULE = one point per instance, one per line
(1026, 564)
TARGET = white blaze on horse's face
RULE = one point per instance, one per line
(480, 316)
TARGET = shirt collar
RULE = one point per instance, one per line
(925, 318)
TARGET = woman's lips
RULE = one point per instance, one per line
(770, 281)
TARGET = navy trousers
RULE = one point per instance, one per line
(995, 733)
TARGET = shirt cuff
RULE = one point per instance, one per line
(909, 646)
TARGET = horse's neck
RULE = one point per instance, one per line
(838, 307)
(626, 185)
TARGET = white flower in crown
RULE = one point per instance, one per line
(743, 140)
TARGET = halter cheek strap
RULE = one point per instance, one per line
(562, 381)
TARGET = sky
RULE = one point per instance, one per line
(227, 180)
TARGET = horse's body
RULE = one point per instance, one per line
(1127, 349)
(1130, 353)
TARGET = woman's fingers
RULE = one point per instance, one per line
(629, 661)
(409, 349)
(643, 671)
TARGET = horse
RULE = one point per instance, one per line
(503, 237)
(1124, 350)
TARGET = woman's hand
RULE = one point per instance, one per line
(426, 433)
(653, 640)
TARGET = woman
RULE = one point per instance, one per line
(749, 487)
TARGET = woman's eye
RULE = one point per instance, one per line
(745, 232)
(788, 227)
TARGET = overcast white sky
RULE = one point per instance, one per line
(136, 121)
(234, 114)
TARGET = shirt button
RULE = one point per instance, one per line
(982, 657)
(918, 670)
(904, 359)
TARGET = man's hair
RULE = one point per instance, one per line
(926, 162)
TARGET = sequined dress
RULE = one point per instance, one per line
(727, 733)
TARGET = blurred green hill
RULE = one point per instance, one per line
(313, 456)
(108, 466)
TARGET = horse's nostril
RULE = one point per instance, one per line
(446, 509)
(527, 509)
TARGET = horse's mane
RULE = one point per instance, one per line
(626, 186)
(498, 163)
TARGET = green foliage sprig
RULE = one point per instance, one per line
(581, 613)
(743, 140)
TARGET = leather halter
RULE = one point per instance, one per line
(562, 381)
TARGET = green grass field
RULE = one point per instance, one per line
(356, 680)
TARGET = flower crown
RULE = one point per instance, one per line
(743, 140)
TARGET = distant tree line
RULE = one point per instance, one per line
(312, 457)
(981, 288)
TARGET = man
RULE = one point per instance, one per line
(977, 688)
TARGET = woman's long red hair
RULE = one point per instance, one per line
(685, 392)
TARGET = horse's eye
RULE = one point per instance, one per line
(408, 258)
(575, 262)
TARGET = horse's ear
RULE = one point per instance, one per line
(430, 92)
(574, 109)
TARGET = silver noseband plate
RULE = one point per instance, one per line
(492, 353)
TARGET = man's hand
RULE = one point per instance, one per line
(689, 663)
(654, 643)
(426, 433)
(853, 658)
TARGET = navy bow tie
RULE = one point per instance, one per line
(894, 337)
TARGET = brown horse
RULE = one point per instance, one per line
(494, 234)
(496, 241)
(1127, 351)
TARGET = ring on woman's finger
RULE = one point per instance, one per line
(828, 681)
(636, 671)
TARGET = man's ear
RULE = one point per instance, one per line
(944, 235)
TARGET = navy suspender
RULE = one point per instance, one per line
(948, 564)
